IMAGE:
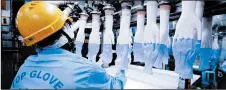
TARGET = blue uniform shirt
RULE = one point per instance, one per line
(61, 69)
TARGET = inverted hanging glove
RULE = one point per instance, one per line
(94, 38)
(138, 52)
(184, 50)
(108, 38)
(80, 35)
(106, 55)
(138, 38)
(124, 39)
(122, 77)
(122, 52)
(163, 57)
(150, 57)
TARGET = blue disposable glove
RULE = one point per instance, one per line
(223, 66)
(216, 54)
(138, 52)
(185, 54)
(197, 47)
(122, 77)
(205, 54)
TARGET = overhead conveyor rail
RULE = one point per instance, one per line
(219, 7)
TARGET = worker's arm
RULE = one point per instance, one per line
(99, 79)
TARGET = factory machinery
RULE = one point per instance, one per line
(154, 35)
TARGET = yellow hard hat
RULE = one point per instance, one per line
(36, 20)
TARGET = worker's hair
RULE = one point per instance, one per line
(50, 40)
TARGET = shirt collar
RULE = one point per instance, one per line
(53, 51)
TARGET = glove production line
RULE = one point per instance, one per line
(158, 44)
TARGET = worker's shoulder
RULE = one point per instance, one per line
(84, 61)
(80, 62)
(73, 58)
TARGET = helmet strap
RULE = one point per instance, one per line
(70, 44)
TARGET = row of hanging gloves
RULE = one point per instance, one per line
(80, 25)
(151, 42)
(193, 39)
(94, 37)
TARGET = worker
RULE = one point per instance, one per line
(54, 66)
